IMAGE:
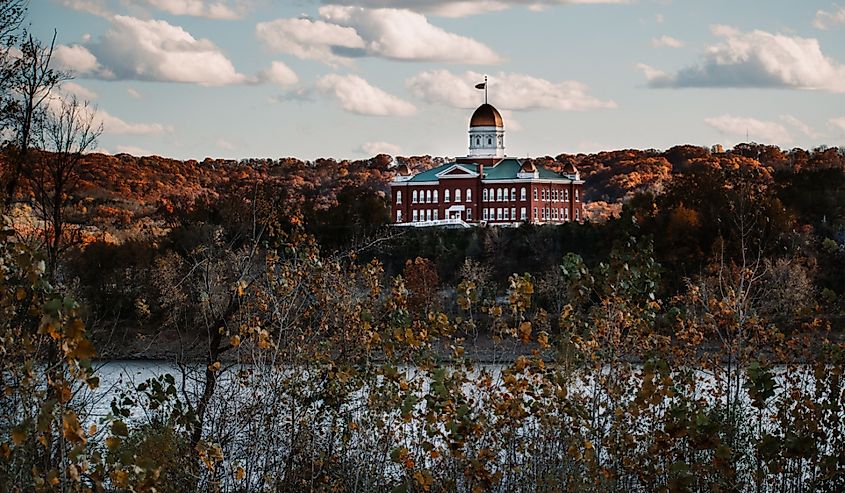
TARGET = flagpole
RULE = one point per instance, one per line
(485, 89)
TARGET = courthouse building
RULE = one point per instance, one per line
(486, 187)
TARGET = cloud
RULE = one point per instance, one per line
(75, 58)
(463, 8)
(133, 150)
(308, 39)
(201, 8)
(95, 7)
(800, 126)
(225, 144)
(827, 20)
(344, 33)
(376, 148)
(81, 92)
(279, 74)
(115, 125)
(136, 49)
(356, 95)
(758, 59)
(667, 42)
(507, 90)
(838, 123)
(133, 93)
(757, 130)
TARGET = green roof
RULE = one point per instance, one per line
(507, 169)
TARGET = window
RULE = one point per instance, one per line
(566, 195)
(486, 214)
(566, 214)
(535, 198)
(428, 214)
(469, 214)
(435, 196)
(469, 195)
(428, 196)
(577, 199)
(554, 214)
(414, 197)
(577, 214)
(435, 214)
(499, 213)
(399, 196)
(484, 195)
(415, 215)
(457, 195)
(522, 195)
(498, 195)
(523, 214)
(554, 195)
(398, 216)
(535, 212)
(478, 141)
(489, 141)
(543, 211)
(513, 194)
(506, 216)
(446, 195)
(513, 213)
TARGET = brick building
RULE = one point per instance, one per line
(486, 187)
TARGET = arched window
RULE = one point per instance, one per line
(513, 195)
(414, 197)
(399, 196)
(469, 195)
(498, 195)
(446, 195)
(576, 196)
(478, 141)
(457, 195)
(435, 196)
(489, 141)
(428, 196)
(522, 195)
(484, 195)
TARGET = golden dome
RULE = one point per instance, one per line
(486, 116)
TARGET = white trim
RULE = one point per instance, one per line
(469, 173)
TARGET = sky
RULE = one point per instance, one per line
(348, 79)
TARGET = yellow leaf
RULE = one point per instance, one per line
(20, 294)
(240, 473)
(235, 341)
(525, 332)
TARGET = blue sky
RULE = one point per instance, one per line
(311, 78)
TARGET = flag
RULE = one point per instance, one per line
(481, 86)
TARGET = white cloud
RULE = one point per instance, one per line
(758, 59)
(376, 148)
(115, 125)
(225, 144)
(800, 126)
(356, 95)
(75, 58)
(201, 8)
(153, 50)
(507, 90)
(133, 150)
(827, 20)
(279, 74)
(667, 42)
(133, 93)
(345, 33)
(838, 123)
(81, 92)
(757, 130)
(95, 7)
(463, 8)
(308, 39)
